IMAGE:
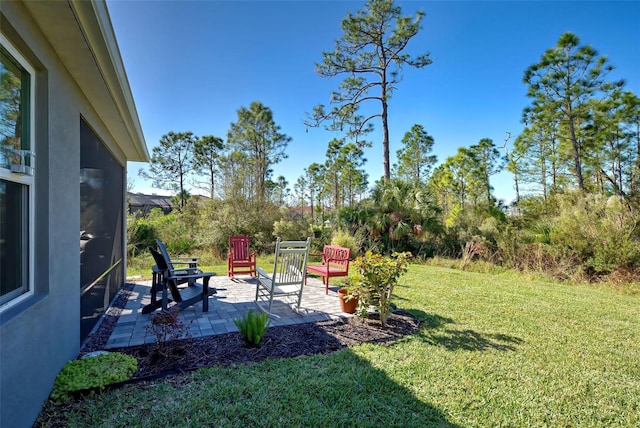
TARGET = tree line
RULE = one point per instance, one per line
(575, 166)
(241, 167)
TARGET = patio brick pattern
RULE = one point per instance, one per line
(234, 299)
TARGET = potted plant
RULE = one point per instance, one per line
(348, 295)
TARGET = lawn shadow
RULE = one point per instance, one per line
(440, 331)
(334, 388)
(369, 390)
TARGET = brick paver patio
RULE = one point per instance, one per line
(233, 299)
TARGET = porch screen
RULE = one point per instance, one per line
(101, 228)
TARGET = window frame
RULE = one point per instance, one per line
(28, 181)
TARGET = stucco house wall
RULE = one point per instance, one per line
(79, 76)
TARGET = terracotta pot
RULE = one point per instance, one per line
(350, 306)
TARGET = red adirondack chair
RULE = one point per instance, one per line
(241, 259)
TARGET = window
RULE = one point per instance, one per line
(17, 166)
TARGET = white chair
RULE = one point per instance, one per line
(287, 279)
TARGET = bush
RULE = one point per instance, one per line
(177, 231)
(375, 278)
(343, 238)
(615, 237)
(601, 233)
(573, 236)
(252, 326)
(480, 224)
(292, 229)
(92, 372)
(221, 219)
(140, 235)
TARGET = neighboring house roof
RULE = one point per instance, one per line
(83, 37)
(147, 202)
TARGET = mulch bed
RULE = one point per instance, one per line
(181, 356)
(278, 342)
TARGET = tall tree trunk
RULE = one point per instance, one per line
(336, 186)
(213, 181)
(311, 200)
(554, 165)
(181, 189)
(385, 131)
(635, 180)
(516, 187)
(543, 180)
(488, 187)
(261, 181)
(577, 160)
(617, 163)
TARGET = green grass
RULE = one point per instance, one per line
(494, 350)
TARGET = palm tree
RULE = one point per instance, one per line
(399, 216)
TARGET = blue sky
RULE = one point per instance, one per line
(192, 64)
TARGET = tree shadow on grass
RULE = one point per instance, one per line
(282, 382)
(440, 331)
(365, 390)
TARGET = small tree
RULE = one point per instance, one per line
(489, 163)
(167, 327)
(414, 161)
(375, 278)
(257, 136)
(171, 162)
(207, 151)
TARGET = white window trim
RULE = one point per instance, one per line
(28, 180)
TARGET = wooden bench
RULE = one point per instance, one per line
(335, 262)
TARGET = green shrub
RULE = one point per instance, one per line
(376, 276)
(573, 236)
(93, 372)
(140, 235)
(252, 326)
(239, 217)
(176, 230)
(599, 233)
(615, 238)
(292, 229)
(343, 238)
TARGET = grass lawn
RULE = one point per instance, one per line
(494, 350)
